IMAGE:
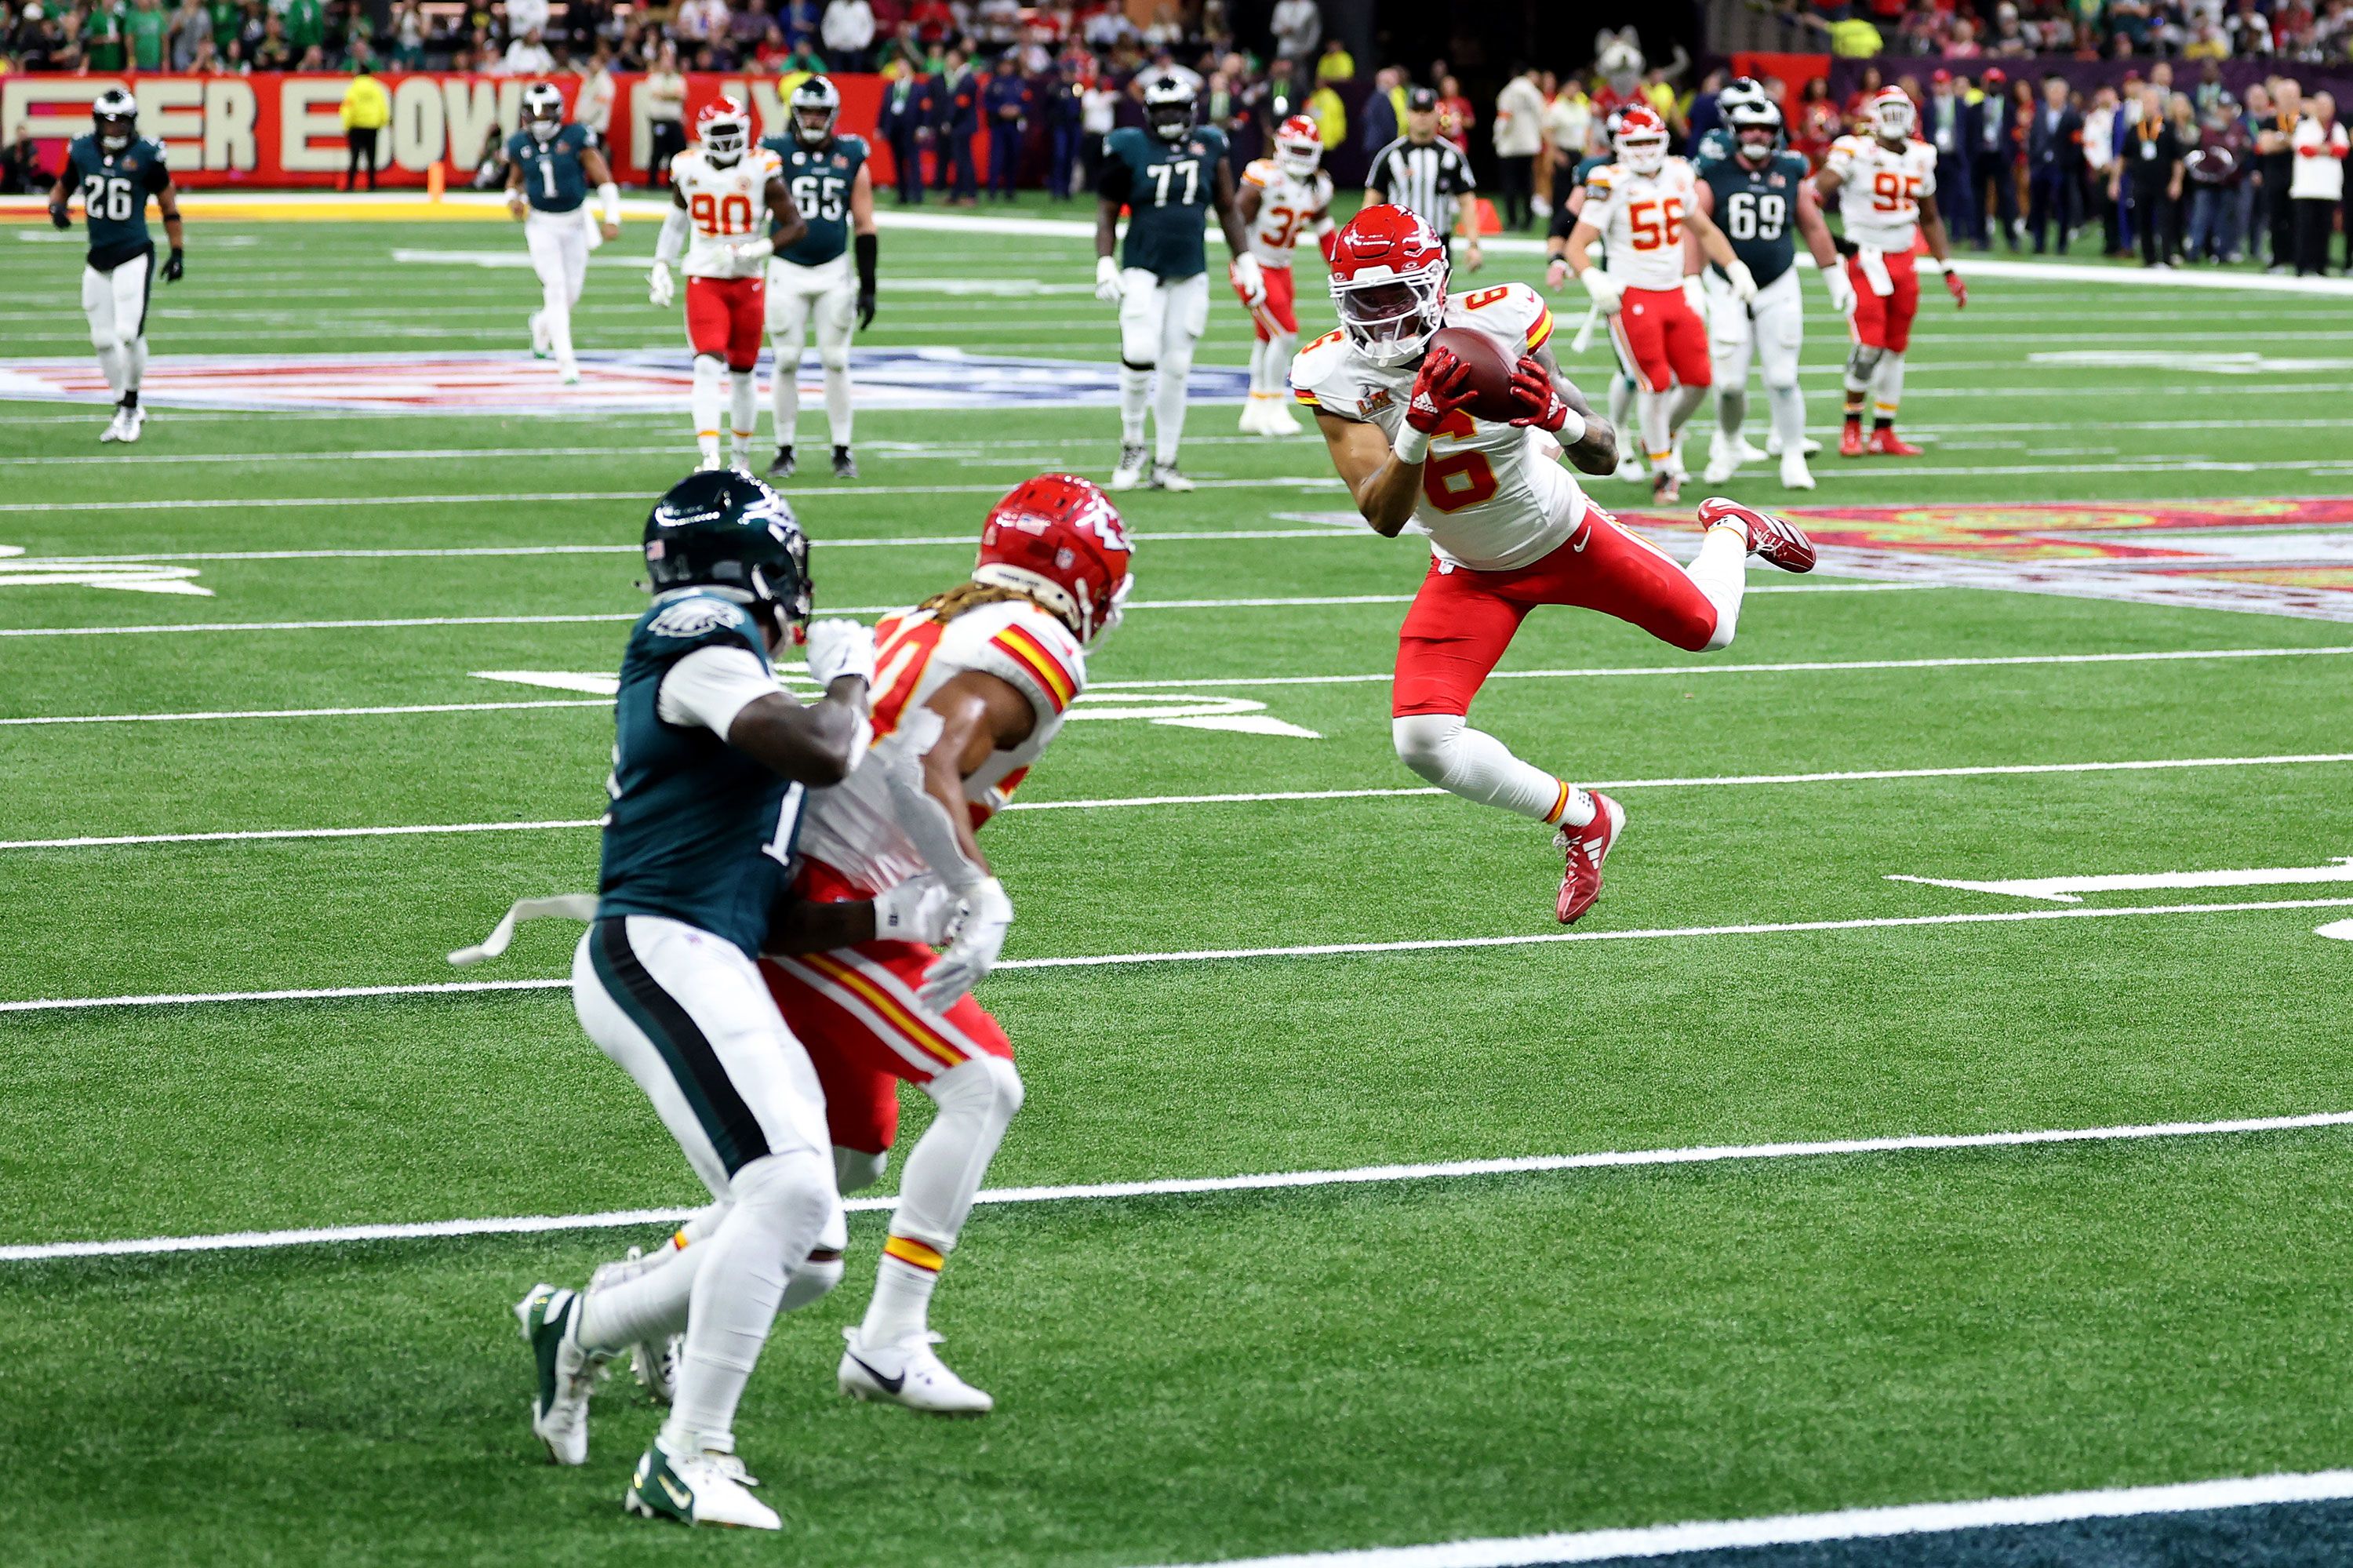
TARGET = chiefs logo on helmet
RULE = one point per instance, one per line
(1059, 540)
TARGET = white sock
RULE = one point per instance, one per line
(134, 364)
(1720, 571)
(781, 1202)
(1658, 435)
(556, 312)
(1887, 385)
(1168, 407)
(116, 363)
(650, 1306)
(976, 1099)
(1621, 397)
(836, 403)
(1135, 397)
(1258, 356)
(784, 394)
(1474, 764)
(1789, 405)
(1279, 350)
(708, 400)
(744, 408)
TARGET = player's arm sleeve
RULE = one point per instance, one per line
(159, 172)
(1115, 180)
(672, 243)
(709, 687)
(1841, 161)
(1045, 668)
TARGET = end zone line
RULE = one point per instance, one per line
(1228, 955)
(1615, 1159)
(1988, 770)
(1845, 1524)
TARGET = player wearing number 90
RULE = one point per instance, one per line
(1509, 528)
(1165, 175)
(828, 176)
(551, 167)
(115, 170)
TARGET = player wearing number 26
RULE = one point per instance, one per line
(1421, 438)
(114, 170)
(828, 176)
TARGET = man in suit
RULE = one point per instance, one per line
(2054, 165)
(958, 108)
(1946, 124)
(1993, 159)
(905, 122)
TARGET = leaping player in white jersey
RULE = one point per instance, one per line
(1639, 208)
(1509, 528)
(1885, 183)
(1280, 198)
(730, 212)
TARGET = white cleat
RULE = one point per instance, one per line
(1630, 469)
(1129, 472)
(1808, 449)
(550, 1316)
(1279, 421)
(541, 341)
(129, 422)
(1253, 421)
(1795, 474)
(1165, 477)
(706, 1488)
(1723, 459)
(114, 431)
(569, 373)
(910, 1374)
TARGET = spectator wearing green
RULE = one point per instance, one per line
(144, 25)
(306, 25)
(228, 21)
(101, 35)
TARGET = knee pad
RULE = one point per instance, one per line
(835, 357)
(1863, 360)
(1426, 743)
(987, 1085)
(787, 1195)
(813, 1281)
(1144, 369)
(854, 1169)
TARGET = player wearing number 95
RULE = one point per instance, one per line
(1165, 175)
(551, 167)
(712, 766)
(827, 174)
(115, 170)
(1509, 528)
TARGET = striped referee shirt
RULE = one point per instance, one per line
(1425, 180)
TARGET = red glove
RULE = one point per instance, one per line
(1538, 399)
(1960, 291)
(1327, 242)
(1442, 386)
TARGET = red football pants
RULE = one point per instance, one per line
(1280, 308)
(1886, 321)
(1661, 335)
(855, 1010)
(1462, 620)
(726, 316)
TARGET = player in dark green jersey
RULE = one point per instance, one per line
(552, 164)
(827, 171)
(1169, 176)
(1760, 196)
(114, 170)
(710, 765)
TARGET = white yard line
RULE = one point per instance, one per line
(1317, 481)
(1131, 802)
(461, 552)
(1228, 955)
(1845, 1524)
(1287, 1181)
(375, 712)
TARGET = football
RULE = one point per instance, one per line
(1491, 371)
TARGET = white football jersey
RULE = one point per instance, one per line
(1288, 209)
(1494, 496)
(725, 206)
(850, 827)
(1879, 189)
(1641, 218)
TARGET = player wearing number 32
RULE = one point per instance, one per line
(115, 170)
(1509, 528)
(1166, 175)
(828, 176)
(551, 167)
(1885, 181)
(726, 192)
(1281, 197)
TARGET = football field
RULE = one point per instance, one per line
(1693, 1212)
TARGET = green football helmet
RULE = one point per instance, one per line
(735, 536)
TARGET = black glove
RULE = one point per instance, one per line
(865, 309)
(59, 216)
(175, 266)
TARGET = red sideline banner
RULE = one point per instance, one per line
(271, 130)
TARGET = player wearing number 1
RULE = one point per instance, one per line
(115, 170)
(551, 167)
(827, 174)
(1509, 529)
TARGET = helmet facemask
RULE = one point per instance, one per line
(1298, 159)
(724, 141)
(1892, 120)
(1391, 320)
(1644, 151)
(814, 112)
(117, 120)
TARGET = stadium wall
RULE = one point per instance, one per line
(1846, 75)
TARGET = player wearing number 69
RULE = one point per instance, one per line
(1166, 177)
(552, 164)
(115, 170)
(828, 176)
(1446, 412)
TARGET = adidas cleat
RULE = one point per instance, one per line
(910, 1374)
(1587, 847)
(1774, 539)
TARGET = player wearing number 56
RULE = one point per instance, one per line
(114, 170)
(1448, 411)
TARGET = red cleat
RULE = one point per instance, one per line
(1587, 847)
(1851, 440)
(1777, 539)
(1666, 486)
(1885, 442)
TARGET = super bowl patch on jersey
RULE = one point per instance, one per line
(693, 618)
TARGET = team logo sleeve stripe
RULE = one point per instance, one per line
(1034, 656)
(1541, 330)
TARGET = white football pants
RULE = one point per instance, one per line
(116, 304)
(827, 293)
(559, 254)
(1159, 322)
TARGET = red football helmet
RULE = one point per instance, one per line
(1641, 142)
(1892, 115)
(1298, 146)
(724, 128)
(1059, 539)
(1388, 279)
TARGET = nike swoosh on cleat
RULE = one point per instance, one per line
(683, 1500)
(890, 1384)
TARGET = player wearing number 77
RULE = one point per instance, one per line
(1509, 528)
(115, 170)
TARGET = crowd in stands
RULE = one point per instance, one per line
(2317, 32)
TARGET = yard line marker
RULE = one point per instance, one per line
(1844, 1524)
(1181, 1186)
(1227, 955)
(462, 552)
(311, 712)
(1298, 482)
(2070, 889)
(1118, 802)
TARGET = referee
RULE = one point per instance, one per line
(1426, 177)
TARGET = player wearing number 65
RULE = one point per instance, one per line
(1447, 412)
(115, 170)
(828, 176)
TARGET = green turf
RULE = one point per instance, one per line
(1179, 1379)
